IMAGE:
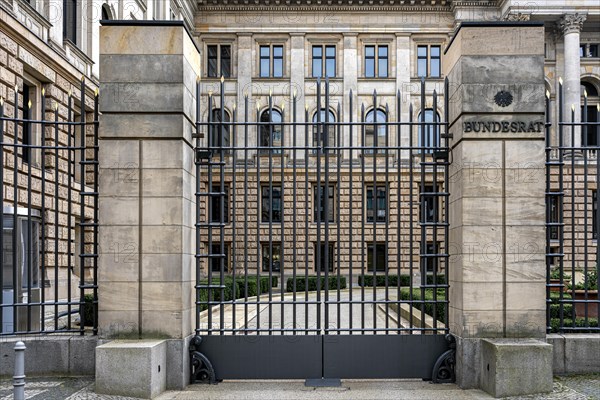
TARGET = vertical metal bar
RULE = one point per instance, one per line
(549, 201)
(271, 145)
(221, 199)
(410, 213)
(56, 228)
(82, 195)
(210, 199)
(307, 195)
(2, 166)
(318, 205)
(597, 203)
(434, 197)
(585, 208)
(387, 219)
(231, 216)
(42, 225)
(28, 150)
(294, 215)
(351, 210)
(561, 205)
(446, 208)
(95, 223)
(198, 208)
(259, 128)
(325, 200)
(399, 200)
(573, 150)
(246, 214)
(363, 219)
(375, 208)
(15, 206)
(337, 202)
(70, 174)
(422, 214)
(282, 221)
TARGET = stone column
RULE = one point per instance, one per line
(297, 67)
(570, 25)
(147, 207)
(497, 208)
(351, 73)
(244, 84)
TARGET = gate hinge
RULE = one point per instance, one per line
(444, 368)
(201, 368)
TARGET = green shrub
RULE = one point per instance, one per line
(440, 307)
(88, 310)
(393, 280)
(567, 322)
(555, 310)
(555, 297)
(301, 283)
(590, 282)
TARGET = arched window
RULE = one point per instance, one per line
(589, 134)
(106, 13)
(271, 133)
(429, 138)
(219, 134)
(378, 118)
(325, 140)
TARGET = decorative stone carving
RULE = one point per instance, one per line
(571, 23)
(517, 17)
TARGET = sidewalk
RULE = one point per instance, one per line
(581, 387)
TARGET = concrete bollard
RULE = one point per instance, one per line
(19, 376)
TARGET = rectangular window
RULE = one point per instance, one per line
(593, 50)
(218, 61)
(595, 214)
(429, 61)
(321, 261)
(323, 63)
(431, 204)
(377, 263)
(554, 216)
(271, 61)
(28, 253)
(271, 256)
(215, 204)
(376, 61)
(70, 20)
(319, 204)
(215, 262)
(431, 263)
(377, 210)
(77, 143)
(27, 126)
(271, 204)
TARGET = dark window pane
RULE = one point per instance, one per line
(379, 118)
(421, 68)
(429, 137)
(370, 51)
(265, 61)
(435, 68)
(317, 51)
(70, 20)
(383, 67)
(319, 203)
(215, 204)
(554, 216)
(219, 134)
(330, 68)
(422, 51)
(377, 210)
(278, 51)
(271, 257)
(435, 51)
(7, 267)
(378, 263)
(264, 51)
(370, 61)
(264, 68)
(320, 258)
(212, 61)
(226, 61)
(383, 51)
(317, 67)
(431, 208)
(27, 126)
(271, 204)
(431, 263)
(277, 68)
(594, 50)
(215, 262)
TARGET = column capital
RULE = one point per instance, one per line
(571, 23)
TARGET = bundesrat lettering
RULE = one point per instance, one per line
(505, 126)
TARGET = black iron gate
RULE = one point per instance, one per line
(321, 237)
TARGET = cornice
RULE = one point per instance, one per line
(319, 5)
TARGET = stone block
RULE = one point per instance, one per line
(132, 368)
(511, 367)
(82, 355)
(141, 40)
(558, 353)
(582, 353)
(154, 68)
(178, 363)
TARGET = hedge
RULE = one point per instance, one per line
(416, 295)
(312, 283)
(240, 288)
(393, 280)
(568, 322)
(88, 310)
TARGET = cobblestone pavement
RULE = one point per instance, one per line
(577, 387)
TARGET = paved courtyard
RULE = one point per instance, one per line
(581, 387)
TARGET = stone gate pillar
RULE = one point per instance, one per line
(146, 272)
(497, 207)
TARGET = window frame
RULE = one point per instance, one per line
(319, 211)
(216, 249)
(218, 57)
(595, 214)
(324, 71)
(330, 262)
(332, 134)
(271, 58)
(432, 264)
(264, 218)
(379, 246)
(271, 134)
(429, 58)
(70, 32)
(213, 130)
(381, 128)
(215, 206)
(433, 127)
(266, 254)
(432, 203)
(371, 187)
(376, 59)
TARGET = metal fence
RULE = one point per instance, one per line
(310, 222)
(572, 223)
(49, 194)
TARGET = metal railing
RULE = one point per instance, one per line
(49, 193)
(275, 198)
(572, 223)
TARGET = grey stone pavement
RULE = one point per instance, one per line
(578, 387)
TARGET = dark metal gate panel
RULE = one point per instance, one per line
(381, 356)
(264, 357)
(321, 242)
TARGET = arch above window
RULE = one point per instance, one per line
(589, 133)
(589, 87)
(106, 12)
(378, 119)
(429, 138)
(271, 131)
